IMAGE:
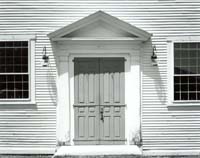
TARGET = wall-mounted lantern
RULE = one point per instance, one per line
(154, 57)
(45, 57)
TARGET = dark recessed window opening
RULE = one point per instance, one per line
(14, 74)
(186, 71)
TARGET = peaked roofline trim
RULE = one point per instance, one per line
(100, 15)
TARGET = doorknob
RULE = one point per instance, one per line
(101, 113)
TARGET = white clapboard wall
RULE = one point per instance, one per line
(34, 127)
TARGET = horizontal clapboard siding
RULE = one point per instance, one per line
(163, 128)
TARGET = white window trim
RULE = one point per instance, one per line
(170, 66)
(31, 52)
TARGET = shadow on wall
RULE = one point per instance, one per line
(51, 81)
(153, 79)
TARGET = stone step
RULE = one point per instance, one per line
(98, 156)
(127, 156)
(98, 151)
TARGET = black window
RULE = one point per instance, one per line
(187, 71)
(14, 73)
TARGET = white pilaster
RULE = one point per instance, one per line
(133, 99)
(63, 107)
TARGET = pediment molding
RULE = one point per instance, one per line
(116, 28)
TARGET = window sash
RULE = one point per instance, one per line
(190, 91)
(19, 74)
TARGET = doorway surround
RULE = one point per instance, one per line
(96, 36)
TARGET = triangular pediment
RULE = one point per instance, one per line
(100, 26)
(99, 29)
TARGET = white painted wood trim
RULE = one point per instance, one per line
(63, 108)
(17, 37)
(184, 39)
(31, 70)
(129, 119)
(100, 15)
(170, 66)
(170, 71)
(98, 39)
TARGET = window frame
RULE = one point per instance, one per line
(31, 70)
(170, 68)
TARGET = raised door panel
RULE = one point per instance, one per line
(86, 107)
(86, 74)
(112, 126)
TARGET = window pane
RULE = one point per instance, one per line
(184, 54)
(177, 54)
(176, 87)
(177, 70)
(198, 87)
(193, 54)
(17, 44)
(24, 43)
(17, 61)
(24, 68)
(2, 44)
(17, 69)
(25, 94)
(2, 60)
(176, 96)
(24, 60)
(198, 96)
(184, 96)
(10, 94)
(24, 51)
(192, 96)
(192, 79)
(192, 87)
(25, 78)
(2, 68)
(18, 86)
(17, 52)
(18, 94)
(9, 44)
(2, 94)
(25, 86)
(193, 70)
(184, 62)
(184, 79)
(184, 88)
(2, 52)
(177, 79)
(2, 86)
(11, 86)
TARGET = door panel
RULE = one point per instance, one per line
(112, 126)
(99, 101)
(112, 81)
(86, 74)
(112, 100)
(86, 105)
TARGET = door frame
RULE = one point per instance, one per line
(71, 84)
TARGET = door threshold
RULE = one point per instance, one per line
(97, 150)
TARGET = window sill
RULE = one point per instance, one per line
(184, 104)
(17, 103)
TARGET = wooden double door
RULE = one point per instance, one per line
(99, 101)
